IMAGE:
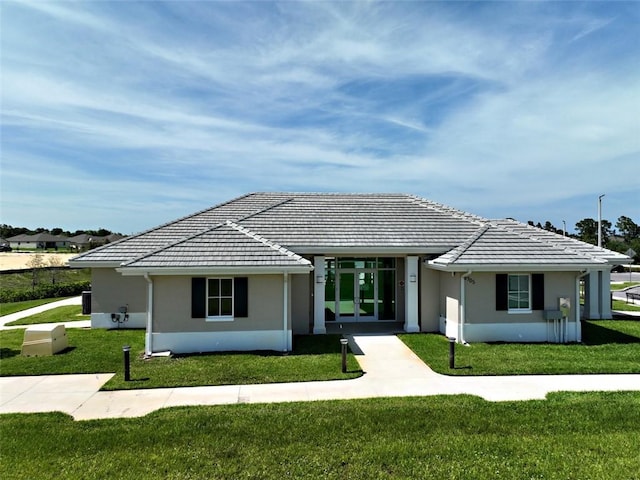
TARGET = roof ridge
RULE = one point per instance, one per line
(459, 250)
(256, 236)
(441, 207)
(166, 224)
(202, 232)
(548, 240)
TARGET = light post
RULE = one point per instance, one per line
(600, 220)
(343, 345)
(564, 228)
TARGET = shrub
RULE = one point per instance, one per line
(45, 291)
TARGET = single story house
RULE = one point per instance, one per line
(85, 241)
(250, 273)
(38, 241)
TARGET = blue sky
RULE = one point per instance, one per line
(125, 115)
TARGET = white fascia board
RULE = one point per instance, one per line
(158, 271)
(370, 251)
(517, 267)
(94, 264)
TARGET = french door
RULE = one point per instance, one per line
(357, 298)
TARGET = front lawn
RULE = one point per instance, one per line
(609, 346)
(13, 307)
(100, 351)
(623, 306)
(67, 313)
(623, 285)
(570, 435)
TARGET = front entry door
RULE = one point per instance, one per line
(357, 295)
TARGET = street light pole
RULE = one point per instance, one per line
(564, 228)
(600, 220)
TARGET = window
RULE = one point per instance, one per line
(519, 293)
(220, 297)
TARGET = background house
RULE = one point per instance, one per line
(38, 241)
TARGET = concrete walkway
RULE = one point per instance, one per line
(12, 317)
(392, 370)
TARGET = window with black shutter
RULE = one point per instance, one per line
(222, 298)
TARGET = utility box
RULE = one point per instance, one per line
(44, 340)
(86, 302)
(565, 306)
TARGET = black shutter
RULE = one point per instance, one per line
(537, 291)
(198, 297)
(502, 294)
(241, 297)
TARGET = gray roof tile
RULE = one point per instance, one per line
(266, 228)
(225, 246)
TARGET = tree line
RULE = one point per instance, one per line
(7, 231)
(624, 236)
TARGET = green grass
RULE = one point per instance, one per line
(609, 346)
(13, 307)
(100, 351)
(622, 286)
(623, 306)
(67, 313)
(570, 435)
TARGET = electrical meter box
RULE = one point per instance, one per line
(565, 306)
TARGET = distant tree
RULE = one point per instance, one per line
(54, 263)
(56, 231)
(7, 231)
(36, 263)
(628, 229)
(587, 230)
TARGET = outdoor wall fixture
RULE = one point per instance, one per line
(412, 278)
(320, 279)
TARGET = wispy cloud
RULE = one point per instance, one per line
(489, 107)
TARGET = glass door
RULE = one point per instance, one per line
(346, 298)
(357, 295)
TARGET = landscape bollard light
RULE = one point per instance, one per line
(452, 352)
(127, 373)
(343, 345)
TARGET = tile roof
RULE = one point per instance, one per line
(560, 240)
(493, 246)
(266, 228)
(226, 245)
(305, 220)
(38, 237)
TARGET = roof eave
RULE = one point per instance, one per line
(244, 270)
(381, 251)
(94, 264)
(517, 267)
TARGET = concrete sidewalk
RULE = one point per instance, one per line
(12, 317)
(391, 370)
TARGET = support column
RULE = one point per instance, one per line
(591, 297)
(605, 294)
(148, 337)
(318, 295)
(411, 277)
(285, 313)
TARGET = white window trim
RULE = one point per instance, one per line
(220, 318)
(519, 311)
